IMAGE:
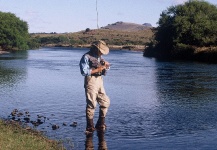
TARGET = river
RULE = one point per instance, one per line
(154, 104)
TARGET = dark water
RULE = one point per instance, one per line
(154, 105)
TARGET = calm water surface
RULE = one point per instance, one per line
(154, 105)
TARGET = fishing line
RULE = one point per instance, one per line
(97, 15)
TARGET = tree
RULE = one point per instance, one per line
(13, 32)
(87, 30)
(194, 23)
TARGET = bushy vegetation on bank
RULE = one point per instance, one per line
(184, 30)
(13, 32)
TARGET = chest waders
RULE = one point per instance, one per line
(95, 93)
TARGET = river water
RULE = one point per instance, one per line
(154, 104)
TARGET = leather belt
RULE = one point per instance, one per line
(96, 75)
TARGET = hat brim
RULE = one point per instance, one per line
(103, 49)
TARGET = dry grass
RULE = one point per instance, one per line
(13, 136)
(115, 36)
(205, 49)
(111, 37)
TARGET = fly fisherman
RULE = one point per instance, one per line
(92, 67)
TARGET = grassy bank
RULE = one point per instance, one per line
(13, 136)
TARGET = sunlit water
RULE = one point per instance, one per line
(154, 105)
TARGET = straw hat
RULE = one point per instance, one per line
(101, 45)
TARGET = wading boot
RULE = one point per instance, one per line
(100, 125)
(90, 126)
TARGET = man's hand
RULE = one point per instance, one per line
(101, 68)
(107, 65)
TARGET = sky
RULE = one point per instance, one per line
(62, 16)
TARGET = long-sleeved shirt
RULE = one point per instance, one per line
(84, 65)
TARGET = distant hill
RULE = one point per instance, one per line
(126, 26)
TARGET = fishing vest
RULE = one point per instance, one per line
(95, 63)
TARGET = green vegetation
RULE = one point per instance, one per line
(185, 29)
(13, 32)
(12, 136)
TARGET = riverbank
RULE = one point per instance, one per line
(3, 52)
(14, 136)
(192, 53)
(114, 47)
(201, 54)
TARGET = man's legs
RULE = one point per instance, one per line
(104, 103)
(90, 109)
(95, 92)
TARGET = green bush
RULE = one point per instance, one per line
(13, 32)
(193, 23)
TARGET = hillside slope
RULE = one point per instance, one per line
(119, 36)
(126, 26)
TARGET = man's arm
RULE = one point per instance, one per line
(97, 70)
(85, 68)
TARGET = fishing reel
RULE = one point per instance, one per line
(102, 62)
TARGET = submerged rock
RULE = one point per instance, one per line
(27, 119)
(74, 124)
(54, 127)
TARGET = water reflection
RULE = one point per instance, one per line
(102, 145)
(101, 140)
(14, 55)
(12, 69)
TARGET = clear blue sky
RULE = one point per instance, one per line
(75, 15)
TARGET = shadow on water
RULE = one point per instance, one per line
(186, 92)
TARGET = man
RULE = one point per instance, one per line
(92, 66)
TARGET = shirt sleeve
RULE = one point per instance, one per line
(84, 66)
